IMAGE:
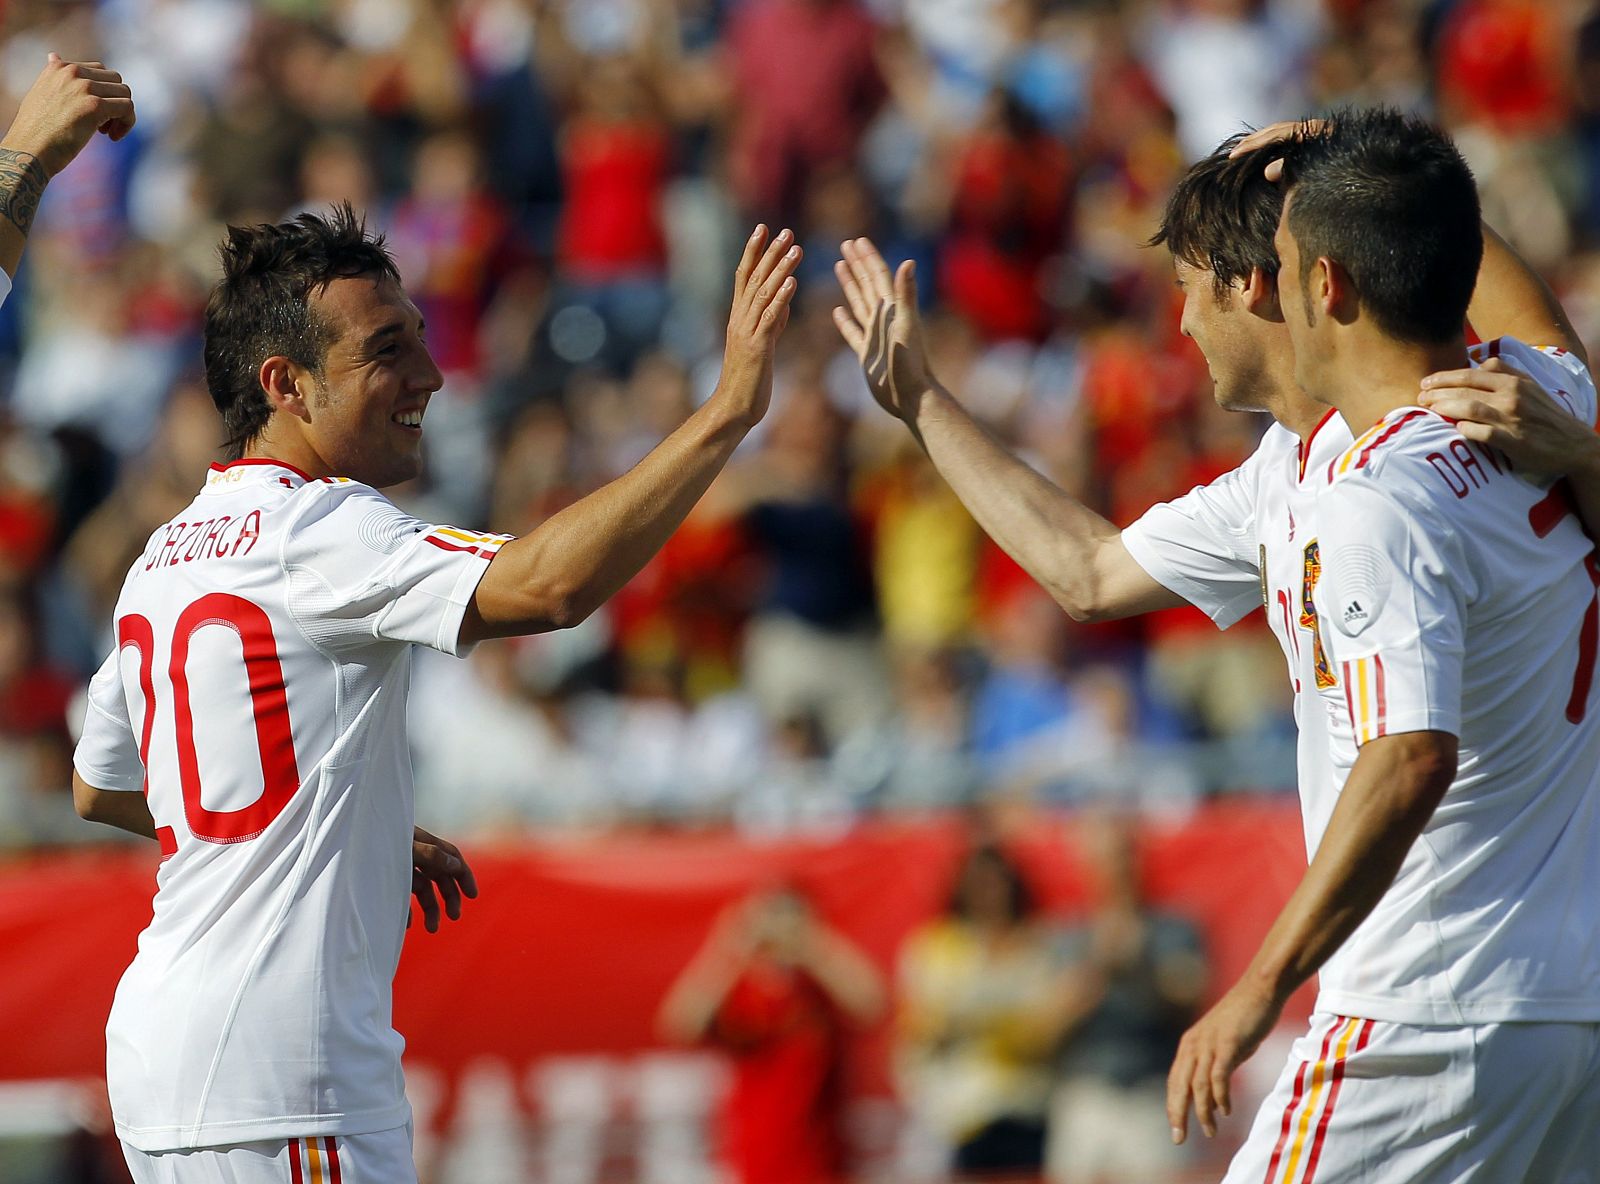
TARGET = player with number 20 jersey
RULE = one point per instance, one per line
(282, 609)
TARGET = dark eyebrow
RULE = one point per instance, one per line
(392, 329)
(389, 330)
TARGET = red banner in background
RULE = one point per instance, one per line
(572, 945)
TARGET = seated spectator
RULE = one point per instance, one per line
(777, 989)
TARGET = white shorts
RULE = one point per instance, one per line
(383, 1157)
(1376, 1102)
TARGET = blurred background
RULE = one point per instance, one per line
(852, 827)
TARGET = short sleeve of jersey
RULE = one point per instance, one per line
(107, 756)
(1202, 546)
(5, 285)
(359, 569)
(1559, 371)
(1391, 602)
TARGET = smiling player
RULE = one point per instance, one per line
(257, 696)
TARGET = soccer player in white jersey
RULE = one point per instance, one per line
(253, 713)
(66, 105)
(1451, 904)
(1227, 546)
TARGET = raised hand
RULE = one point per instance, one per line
(881, 323)
(437, 862)
(763, 287)
(63, 109)
(1500, 406)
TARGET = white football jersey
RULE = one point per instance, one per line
(1455, 596)
(257, 695)
(1251, 537)
(1241, 543)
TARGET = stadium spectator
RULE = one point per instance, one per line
(976, 990)
(805, 85)
(1133, 982)
(778, 989)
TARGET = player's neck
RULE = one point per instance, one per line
(1299, 412)
(1377, 374)
(288, 448)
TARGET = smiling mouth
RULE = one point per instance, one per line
(410, 420)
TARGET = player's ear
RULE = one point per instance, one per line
(287, 386)
(1332, 291)
(1260, 295)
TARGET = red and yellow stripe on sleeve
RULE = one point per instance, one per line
(1364, 696)
(451, 538)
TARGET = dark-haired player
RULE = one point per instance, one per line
(1250, 535)
(1450, 905)
(257, 696)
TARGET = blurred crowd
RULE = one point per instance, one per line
(1026, 1048)
(565, 184)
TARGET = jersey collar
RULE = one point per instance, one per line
(256, 469)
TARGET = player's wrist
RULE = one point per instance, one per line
(922, 400)
(27, 153)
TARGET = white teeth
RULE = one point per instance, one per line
(410, 419)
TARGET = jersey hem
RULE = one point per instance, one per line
(105, 780)
(1221, 613)
(226, 1134)
(461, 595)
(1443, 1014)
(1437, 721)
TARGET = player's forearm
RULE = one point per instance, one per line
(22, 182)
(123, 810)
(1511, 300)
(1391, 793)
(1074, 553)
(1583, 478)
(574, 562)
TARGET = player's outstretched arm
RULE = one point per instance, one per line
(557, 575)
(1074, 553)
(61, 112)
(1393, 789)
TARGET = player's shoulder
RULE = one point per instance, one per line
(1562, 373)
(335, 513)
(1391, 447)
(1416, 459)
(1514, 351)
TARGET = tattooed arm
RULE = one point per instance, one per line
(61, 112)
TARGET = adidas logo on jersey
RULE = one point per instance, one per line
(1353, 612)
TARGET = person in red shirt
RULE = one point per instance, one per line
(777, 989)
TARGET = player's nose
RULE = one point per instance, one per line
(429, 377)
